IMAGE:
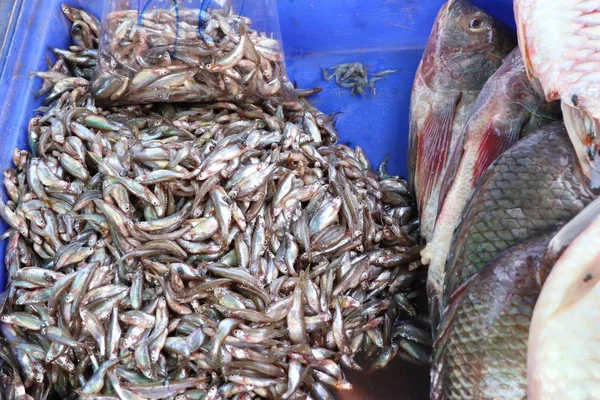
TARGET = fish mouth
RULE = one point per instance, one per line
(584, 132)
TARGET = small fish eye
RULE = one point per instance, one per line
(76, 28)
(477, 23)
(591, 152)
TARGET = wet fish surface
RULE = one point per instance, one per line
(481, 351)
(507, 108)
(531, 187)
(465, 48)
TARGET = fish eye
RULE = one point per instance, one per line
(591, 152)
(477, 23)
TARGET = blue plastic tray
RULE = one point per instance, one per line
(382, 34)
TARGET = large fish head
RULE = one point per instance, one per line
(465, 47)
(582, 119)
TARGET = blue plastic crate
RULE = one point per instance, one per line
(382, 34)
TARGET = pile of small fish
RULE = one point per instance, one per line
(195, 251)
(186, 55)
(355, 76)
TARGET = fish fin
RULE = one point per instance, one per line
(412, 150)
(573, 229)
(455, 297)
(435, 314)
(445, 313)
(382, 169)
(453, 269)
(498, 137)
(435, 382)
(433, 149)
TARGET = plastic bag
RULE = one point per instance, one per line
(189, 50)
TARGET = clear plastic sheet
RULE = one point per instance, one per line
(189, 50)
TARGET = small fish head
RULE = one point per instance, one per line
(212, 392)
(39, 377)
(238, 333)
(343, 385)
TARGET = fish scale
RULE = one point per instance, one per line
(482, 348)
(530, 188)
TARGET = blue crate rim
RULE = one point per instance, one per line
(10, 34)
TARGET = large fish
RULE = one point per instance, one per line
(560, 42)
(563, 351)
(465, 48)
(507, 108)
(481, 352)
(534, 185)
